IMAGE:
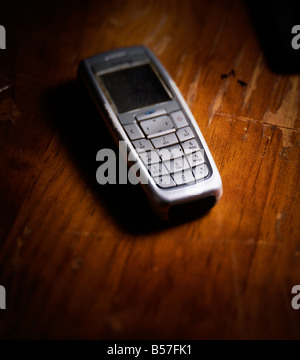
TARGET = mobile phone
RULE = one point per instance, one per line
(143, 107)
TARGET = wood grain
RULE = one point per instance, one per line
(74, 261)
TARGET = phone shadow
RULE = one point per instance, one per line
(84, 133)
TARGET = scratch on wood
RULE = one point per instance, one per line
(287, 113)
(193, 88)
(180, 67)
(230, 117)
(253, 82)
(5, 88)
(217, 101)
(158, 27)
(265, 149)
(161, 45)
(239, 57)
(261, 160)
(5, 83)
(263, 129)
(279, 217)
(218, 35)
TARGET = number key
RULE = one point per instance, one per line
(190, 146)
(184, 177)
(185, 134)
(163, 141)
(133, 131)
(142, 145)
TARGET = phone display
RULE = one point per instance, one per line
(140, 84)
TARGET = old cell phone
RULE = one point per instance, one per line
(143, 107)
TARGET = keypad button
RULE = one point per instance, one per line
(176, 165)
(133, 131)
(142, 145)
(185, 134)
(184, 177)
(158, 169)
(190, 146)
(150, 157)
(165, 181)
(170, 152)
(196, 158)
(150, 113)
(156, 125)
(163, 141)
(200, 171)
(179, 119)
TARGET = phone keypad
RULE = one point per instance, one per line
(156, 125)
(150, 157)
(165, 181)
(170, 152)
(190, 146)
(184, 177)
(179, 119)
(195, 158)
(185, 133)
(150, 114)
(133, 131)
(167, 145)
(178, 164)
(158, 169)
(163, 141)
(200, 171)
(142, 145)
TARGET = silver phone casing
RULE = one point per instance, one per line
(160, 199)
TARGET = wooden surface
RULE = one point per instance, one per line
(74, 262)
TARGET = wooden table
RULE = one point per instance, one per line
(80, 260)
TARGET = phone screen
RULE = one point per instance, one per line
(134, 88)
